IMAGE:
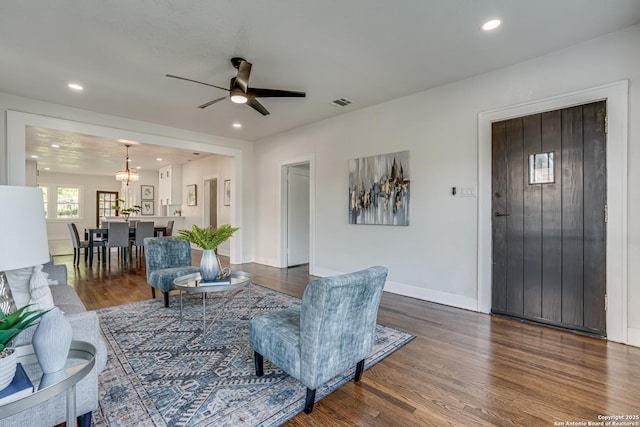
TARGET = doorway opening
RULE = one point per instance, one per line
(211, 202)
(297, 218)
(106, 201)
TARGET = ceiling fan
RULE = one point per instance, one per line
(241, 93)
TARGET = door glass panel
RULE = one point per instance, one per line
(541, 168)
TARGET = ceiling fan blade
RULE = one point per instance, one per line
(253, 103)
(195, 81)
(206, 104)
(255, 92)
(242, 79)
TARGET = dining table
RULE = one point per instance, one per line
(103, 233)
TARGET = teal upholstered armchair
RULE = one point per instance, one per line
(166, 258)
(333, 330)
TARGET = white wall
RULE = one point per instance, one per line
(89, 184)
(436, 256)
(197, 172)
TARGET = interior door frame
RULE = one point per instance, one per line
(282, 209)
(291, 172)
(616, 95)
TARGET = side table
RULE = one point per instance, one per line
(80, 361)
(192, 284)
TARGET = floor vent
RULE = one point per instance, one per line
(341, 102)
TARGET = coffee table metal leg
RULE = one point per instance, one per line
(249, 297)
(204, 315)
(71, 406)
(180, 307)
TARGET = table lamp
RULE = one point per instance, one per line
(23, 234)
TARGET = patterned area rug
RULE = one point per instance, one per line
(162, 372)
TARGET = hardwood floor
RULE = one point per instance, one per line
(463, 368)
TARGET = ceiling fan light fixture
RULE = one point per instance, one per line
(239, 99)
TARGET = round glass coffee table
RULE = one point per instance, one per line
(193, 284)
(80, 361)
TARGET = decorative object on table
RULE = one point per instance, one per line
(52, 340)
(7, 303)
(147, 207)
(379, 189)
(11, 325)
(41, 297)
(192, 195)
(127, 175)
(227, 192)
(52, 378)
(20, 386)
(208, 239)
(125, 212)
(23, 244)
(146, 192)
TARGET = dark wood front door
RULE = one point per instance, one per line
(548, 217)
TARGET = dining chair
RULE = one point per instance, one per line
(118, 237)
(77, 244)
(169, 230)
(143, 230)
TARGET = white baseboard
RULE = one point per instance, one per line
(633, 337)
(438, 297)
(458, 301)
(271, 262)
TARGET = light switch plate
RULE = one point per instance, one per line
(467, 192)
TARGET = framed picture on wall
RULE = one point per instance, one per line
(227, 192)
(146, 208)
(146, 192)
(192, 196)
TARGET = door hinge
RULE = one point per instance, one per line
(606, 214)
(606, 302)
(606, 124)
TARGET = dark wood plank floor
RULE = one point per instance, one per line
(463, 369)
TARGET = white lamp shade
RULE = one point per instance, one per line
(23, 229)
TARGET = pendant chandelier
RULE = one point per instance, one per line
(127, 175)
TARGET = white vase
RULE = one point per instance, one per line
(7, 367)
(52, 340)
(209, 268)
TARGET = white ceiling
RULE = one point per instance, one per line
(368, 51)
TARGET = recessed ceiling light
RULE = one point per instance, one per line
(75, 86)
(55, 146)
(491, 25)
(33, 156)
(138, 167)
(159, 159)
(47, 169)
(237, 125)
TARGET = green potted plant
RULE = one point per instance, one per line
(208, 239)
(11, 325)
(126, 212)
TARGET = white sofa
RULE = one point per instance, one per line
(86, 327)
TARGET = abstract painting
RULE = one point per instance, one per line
(379, 189)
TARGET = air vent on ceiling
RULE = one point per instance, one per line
(341, 102)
